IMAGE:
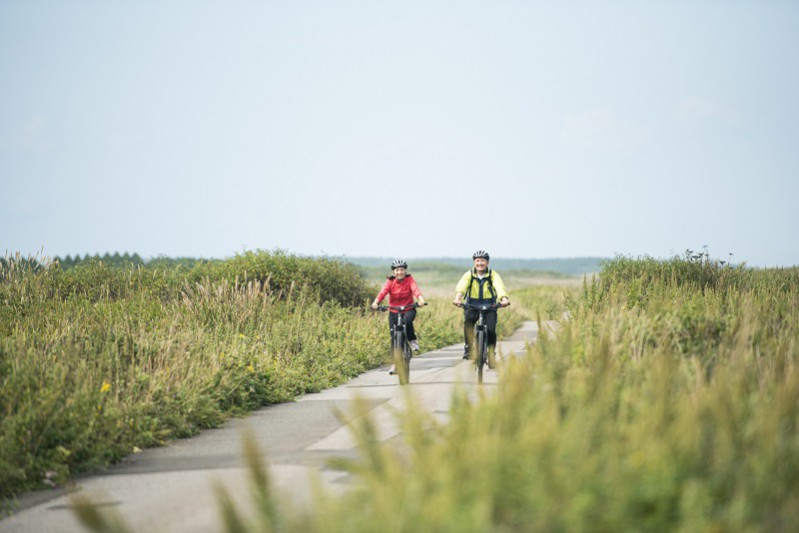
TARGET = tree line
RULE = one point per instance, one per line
(117, 259)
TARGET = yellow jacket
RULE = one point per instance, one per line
(481, 291)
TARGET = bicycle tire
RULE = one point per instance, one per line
(482, 346)
(406, 360)
(400, 344)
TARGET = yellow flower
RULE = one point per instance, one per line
(106, 387)
(251, 368)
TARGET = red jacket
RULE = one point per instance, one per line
(399, 292)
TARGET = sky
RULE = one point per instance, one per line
(535, 129)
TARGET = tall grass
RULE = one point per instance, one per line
(668, 401)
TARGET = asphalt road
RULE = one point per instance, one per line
(171, 489)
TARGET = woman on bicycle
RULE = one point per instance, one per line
(481, 286)
(401, 289)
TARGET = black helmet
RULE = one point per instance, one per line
(399, 263)
(480, 253)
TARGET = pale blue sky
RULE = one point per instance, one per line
(410, 129)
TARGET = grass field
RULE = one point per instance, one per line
(439, 279)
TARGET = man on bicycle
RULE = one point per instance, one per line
(480, 286)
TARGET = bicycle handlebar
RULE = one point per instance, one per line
(400, 308)
(485, 307)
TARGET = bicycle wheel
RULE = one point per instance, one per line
(406, 360)
(400, 344)
(482, 347)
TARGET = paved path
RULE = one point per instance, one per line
(171, 489)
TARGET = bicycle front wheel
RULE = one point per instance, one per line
(406, 359)
(402, 364)
(482, 349)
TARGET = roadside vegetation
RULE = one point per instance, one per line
(668, 400)
(97, 362)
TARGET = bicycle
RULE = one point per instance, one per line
(400, 346)
(481, 336)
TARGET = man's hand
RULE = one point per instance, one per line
(457, 300)
(504, 302)
(374, 305)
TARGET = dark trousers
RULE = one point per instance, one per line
(409, 316)
(470, 317)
